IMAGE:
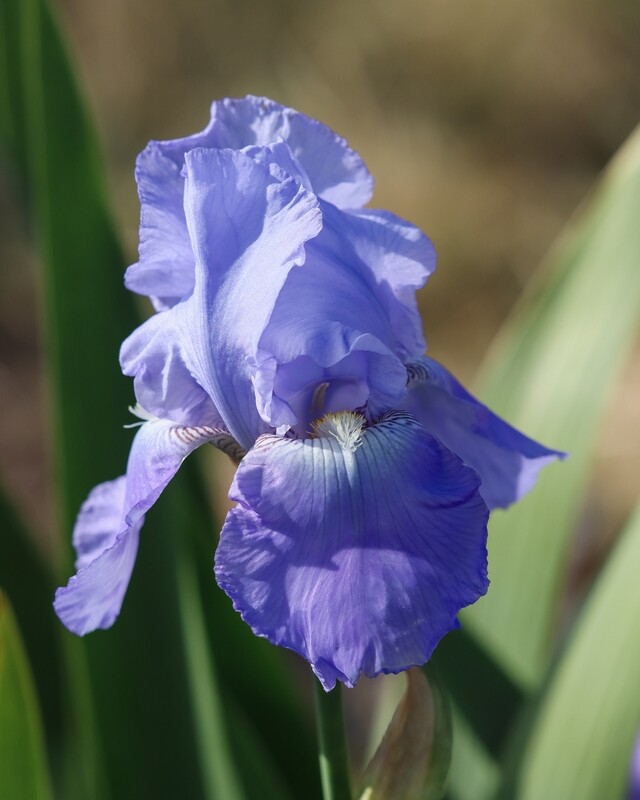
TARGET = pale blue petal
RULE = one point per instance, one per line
(248, 228)
(367, 377)
(165, 267)
(306, 149)
(156, 356)
(93, 597)
(108, 526)
(358, 559)
(507, 461)
(327, 327)
(335, 172)
(98, 521)
(401, 258)
(344, 321)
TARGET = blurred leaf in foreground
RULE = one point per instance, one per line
(87, 310)
(551, 372)
(582, 740)
(29, 586)
(23, 769)
(412, 760)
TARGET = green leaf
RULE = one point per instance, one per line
(29, 587)
(581, 741)
(88, 313)
(11, 96)
(23, 768)
(219, 773)
(473, 774)
(483, 693)
(551, 374)
(59, 673)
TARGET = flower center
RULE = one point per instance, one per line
(344, 426)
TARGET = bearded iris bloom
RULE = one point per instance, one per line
(286, 332)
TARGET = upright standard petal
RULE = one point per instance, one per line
(164, 271)
(308, 150)
(330, 328)
(357, 548)
(342, 325)
(401, 259)
(335, 171)
(507, 461)
(108, 526)
(249, 224)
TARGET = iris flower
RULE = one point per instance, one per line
(287, 333)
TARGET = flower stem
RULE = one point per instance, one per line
(332, 744)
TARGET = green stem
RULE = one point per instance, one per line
(332, 744)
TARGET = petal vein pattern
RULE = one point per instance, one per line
(358, 558)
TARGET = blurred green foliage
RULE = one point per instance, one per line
(23, 769)
(551, 372)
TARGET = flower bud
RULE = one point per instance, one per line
(412, 760)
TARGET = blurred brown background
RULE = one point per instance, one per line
(484, 123)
